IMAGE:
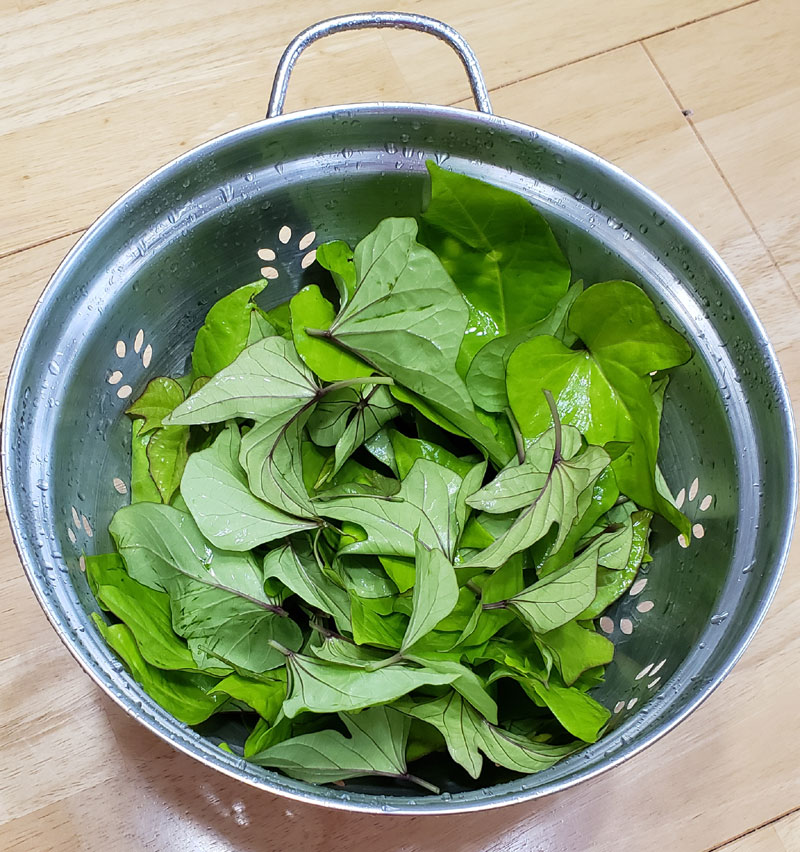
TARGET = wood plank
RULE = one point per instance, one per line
(764, 840)
(788, 830)
(744, 93)
(97, 96)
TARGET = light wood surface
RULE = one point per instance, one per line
(95, 96)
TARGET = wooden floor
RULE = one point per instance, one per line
(699, 99)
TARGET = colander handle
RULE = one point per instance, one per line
(368, 20)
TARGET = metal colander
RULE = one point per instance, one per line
(125, 304)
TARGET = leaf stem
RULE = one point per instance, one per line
(556, 426)
(366, 380)
(421, 782)
(474, 588)
(496, 605)
(518, 439)
(282, 648)
(395, 658)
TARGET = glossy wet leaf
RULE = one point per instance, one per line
(498, 249)
(370, 626)
(226, 330)
(337, 257)
(160, 398)
(618, 322)
(574, 649)
(143, 489)
(182, 694)
(217, 494)
(486, 376)
(167, 454)
(145, 611)
(265, 696)
(310, 309)
(577, 712)
(322, 687)
(613, 582)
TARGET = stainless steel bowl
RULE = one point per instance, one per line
(126, 302)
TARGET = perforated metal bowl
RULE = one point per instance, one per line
(125, 304)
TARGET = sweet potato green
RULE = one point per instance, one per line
(380, 525)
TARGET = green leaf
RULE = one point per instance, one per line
(584, 396)
(407, 319)
(280, 319)
(371, 627)
(377, 744)
(604, 494)
(408, 450)
(167, 453)
(337, 257)
(182, 694)
(519, 484)
(294, 565)
(486, 376)
(272, 455)
(465, 732)
(267, 382)
(401, 570)
(498, 586)
(618, 322)
(217, 597)
(435, 593)
(322, 687)
(260, 327)
(363, 575)
(217, 495)
(423, 507)
(337, 649)
(557, 502)
(574, 649)
(467, 683)
(143, 489)
(613, 582)
(265, 696)
(310, 309)
(604, 399)
(161, 396)
(145, 611)
(498, 249)
(576, 711)
(559, 597)
(348, 417)
(453, 717)
(264, 735)
(226, 329)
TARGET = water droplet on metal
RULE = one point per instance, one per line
(719, 618)
(53, 368)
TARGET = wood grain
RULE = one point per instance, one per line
(133, 84)
(100, 95)
(744, 96)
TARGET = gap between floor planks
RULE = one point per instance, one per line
(750, 832)
(640, 41)
(702, 142)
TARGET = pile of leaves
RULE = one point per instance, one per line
(382, 525)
